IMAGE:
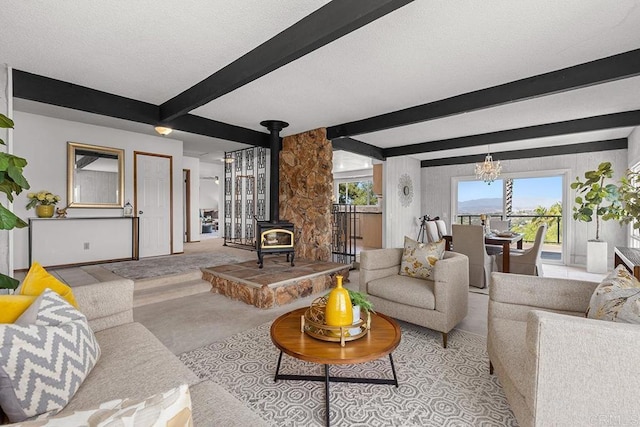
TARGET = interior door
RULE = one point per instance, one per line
(153, 203)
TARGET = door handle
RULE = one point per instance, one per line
(140, 212)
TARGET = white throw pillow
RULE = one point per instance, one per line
(168, 409)
(44, 357)
(617, 298)
(418, 258)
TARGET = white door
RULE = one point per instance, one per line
(153, 204)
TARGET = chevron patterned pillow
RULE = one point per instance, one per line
(44, 357)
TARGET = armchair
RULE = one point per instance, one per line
(556, 366)
(438, 304)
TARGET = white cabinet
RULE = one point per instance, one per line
(75, 241)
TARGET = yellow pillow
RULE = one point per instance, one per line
(12, 306)
(38, 280)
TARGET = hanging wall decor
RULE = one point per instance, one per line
(405, 190)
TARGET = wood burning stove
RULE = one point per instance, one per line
(274, 236)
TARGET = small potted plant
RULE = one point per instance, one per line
(595, 200)
(44, 202)
(360, 302)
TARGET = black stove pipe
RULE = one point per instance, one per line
(274, 126)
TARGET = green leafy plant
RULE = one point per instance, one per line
(629, 193)
(44, 198)
(12, 182)
(361, 299)
(596, 200)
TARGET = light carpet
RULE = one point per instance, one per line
(171, 264)
(437, 386)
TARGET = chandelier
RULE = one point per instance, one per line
(489, 170)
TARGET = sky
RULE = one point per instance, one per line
(543, 191)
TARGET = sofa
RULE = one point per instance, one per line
(557, 367)
(438, 304)
(135, 364)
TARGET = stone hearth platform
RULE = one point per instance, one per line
(276, 284)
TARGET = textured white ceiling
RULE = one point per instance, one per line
(422, 52)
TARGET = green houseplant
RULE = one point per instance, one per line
(361, 300)
(599, 201)
(629, 193)
(12, 182)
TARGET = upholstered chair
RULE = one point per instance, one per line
(438, 303)
(526, 261)
(469, 240)
(442, 228)
(432, 231)
(500, 225)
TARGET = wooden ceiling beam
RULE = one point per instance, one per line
(358, 147)
(585, 147)
(600, 71)
(63, 94)
(330, 22)
(587, 124)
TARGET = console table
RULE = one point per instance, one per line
(630, 258)
(57, 242)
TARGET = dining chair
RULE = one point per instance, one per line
(442, 227)
(527, 261)
(469, 240)
(500, 225)
(432, 231)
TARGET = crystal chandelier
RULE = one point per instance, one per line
(489, 170)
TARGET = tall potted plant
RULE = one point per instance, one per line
(629, 193)
(599, 201)
(12, 182)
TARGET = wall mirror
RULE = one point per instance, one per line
(95, 176)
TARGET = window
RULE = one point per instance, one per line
(476, 198)
(634, 233)
(357, 193)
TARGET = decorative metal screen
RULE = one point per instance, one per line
(245, 195)
(343, 242)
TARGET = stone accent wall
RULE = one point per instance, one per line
(306, 188)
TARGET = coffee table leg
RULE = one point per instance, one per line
(393, 369)
(326, 392)
(275, 379)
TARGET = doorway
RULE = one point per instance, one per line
(153, 200)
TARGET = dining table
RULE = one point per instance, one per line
(505, 240)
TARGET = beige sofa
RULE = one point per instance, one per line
(438, 304)
(135, 364)
(557, 367)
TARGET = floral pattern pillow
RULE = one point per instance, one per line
(418, 258)
(617, 298)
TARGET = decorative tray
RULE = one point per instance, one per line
(504, 233)
(312, 323)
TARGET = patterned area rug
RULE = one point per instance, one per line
(171, 264)
(438, 387)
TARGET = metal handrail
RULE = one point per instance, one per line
(558, 218)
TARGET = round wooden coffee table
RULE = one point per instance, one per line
(382, 339)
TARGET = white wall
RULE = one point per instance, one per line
(193, 165)
(43, 142)
(437, 181)
(210, 192)
(634, 147)
(397, 220)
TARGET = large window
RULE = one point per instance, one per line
(357, 193)
(525, 201)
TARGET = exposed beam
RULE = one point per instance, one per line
(330, 22)
(607, 121)
(63, 94)
(600, 71)
(358, 147)
(585, 147)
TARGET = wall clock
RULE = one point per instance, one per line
(405, 190)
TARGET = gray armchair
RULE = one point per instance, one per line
(526, 261)
(438, 304)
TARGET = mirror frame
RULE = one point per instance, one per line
(71, 154)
